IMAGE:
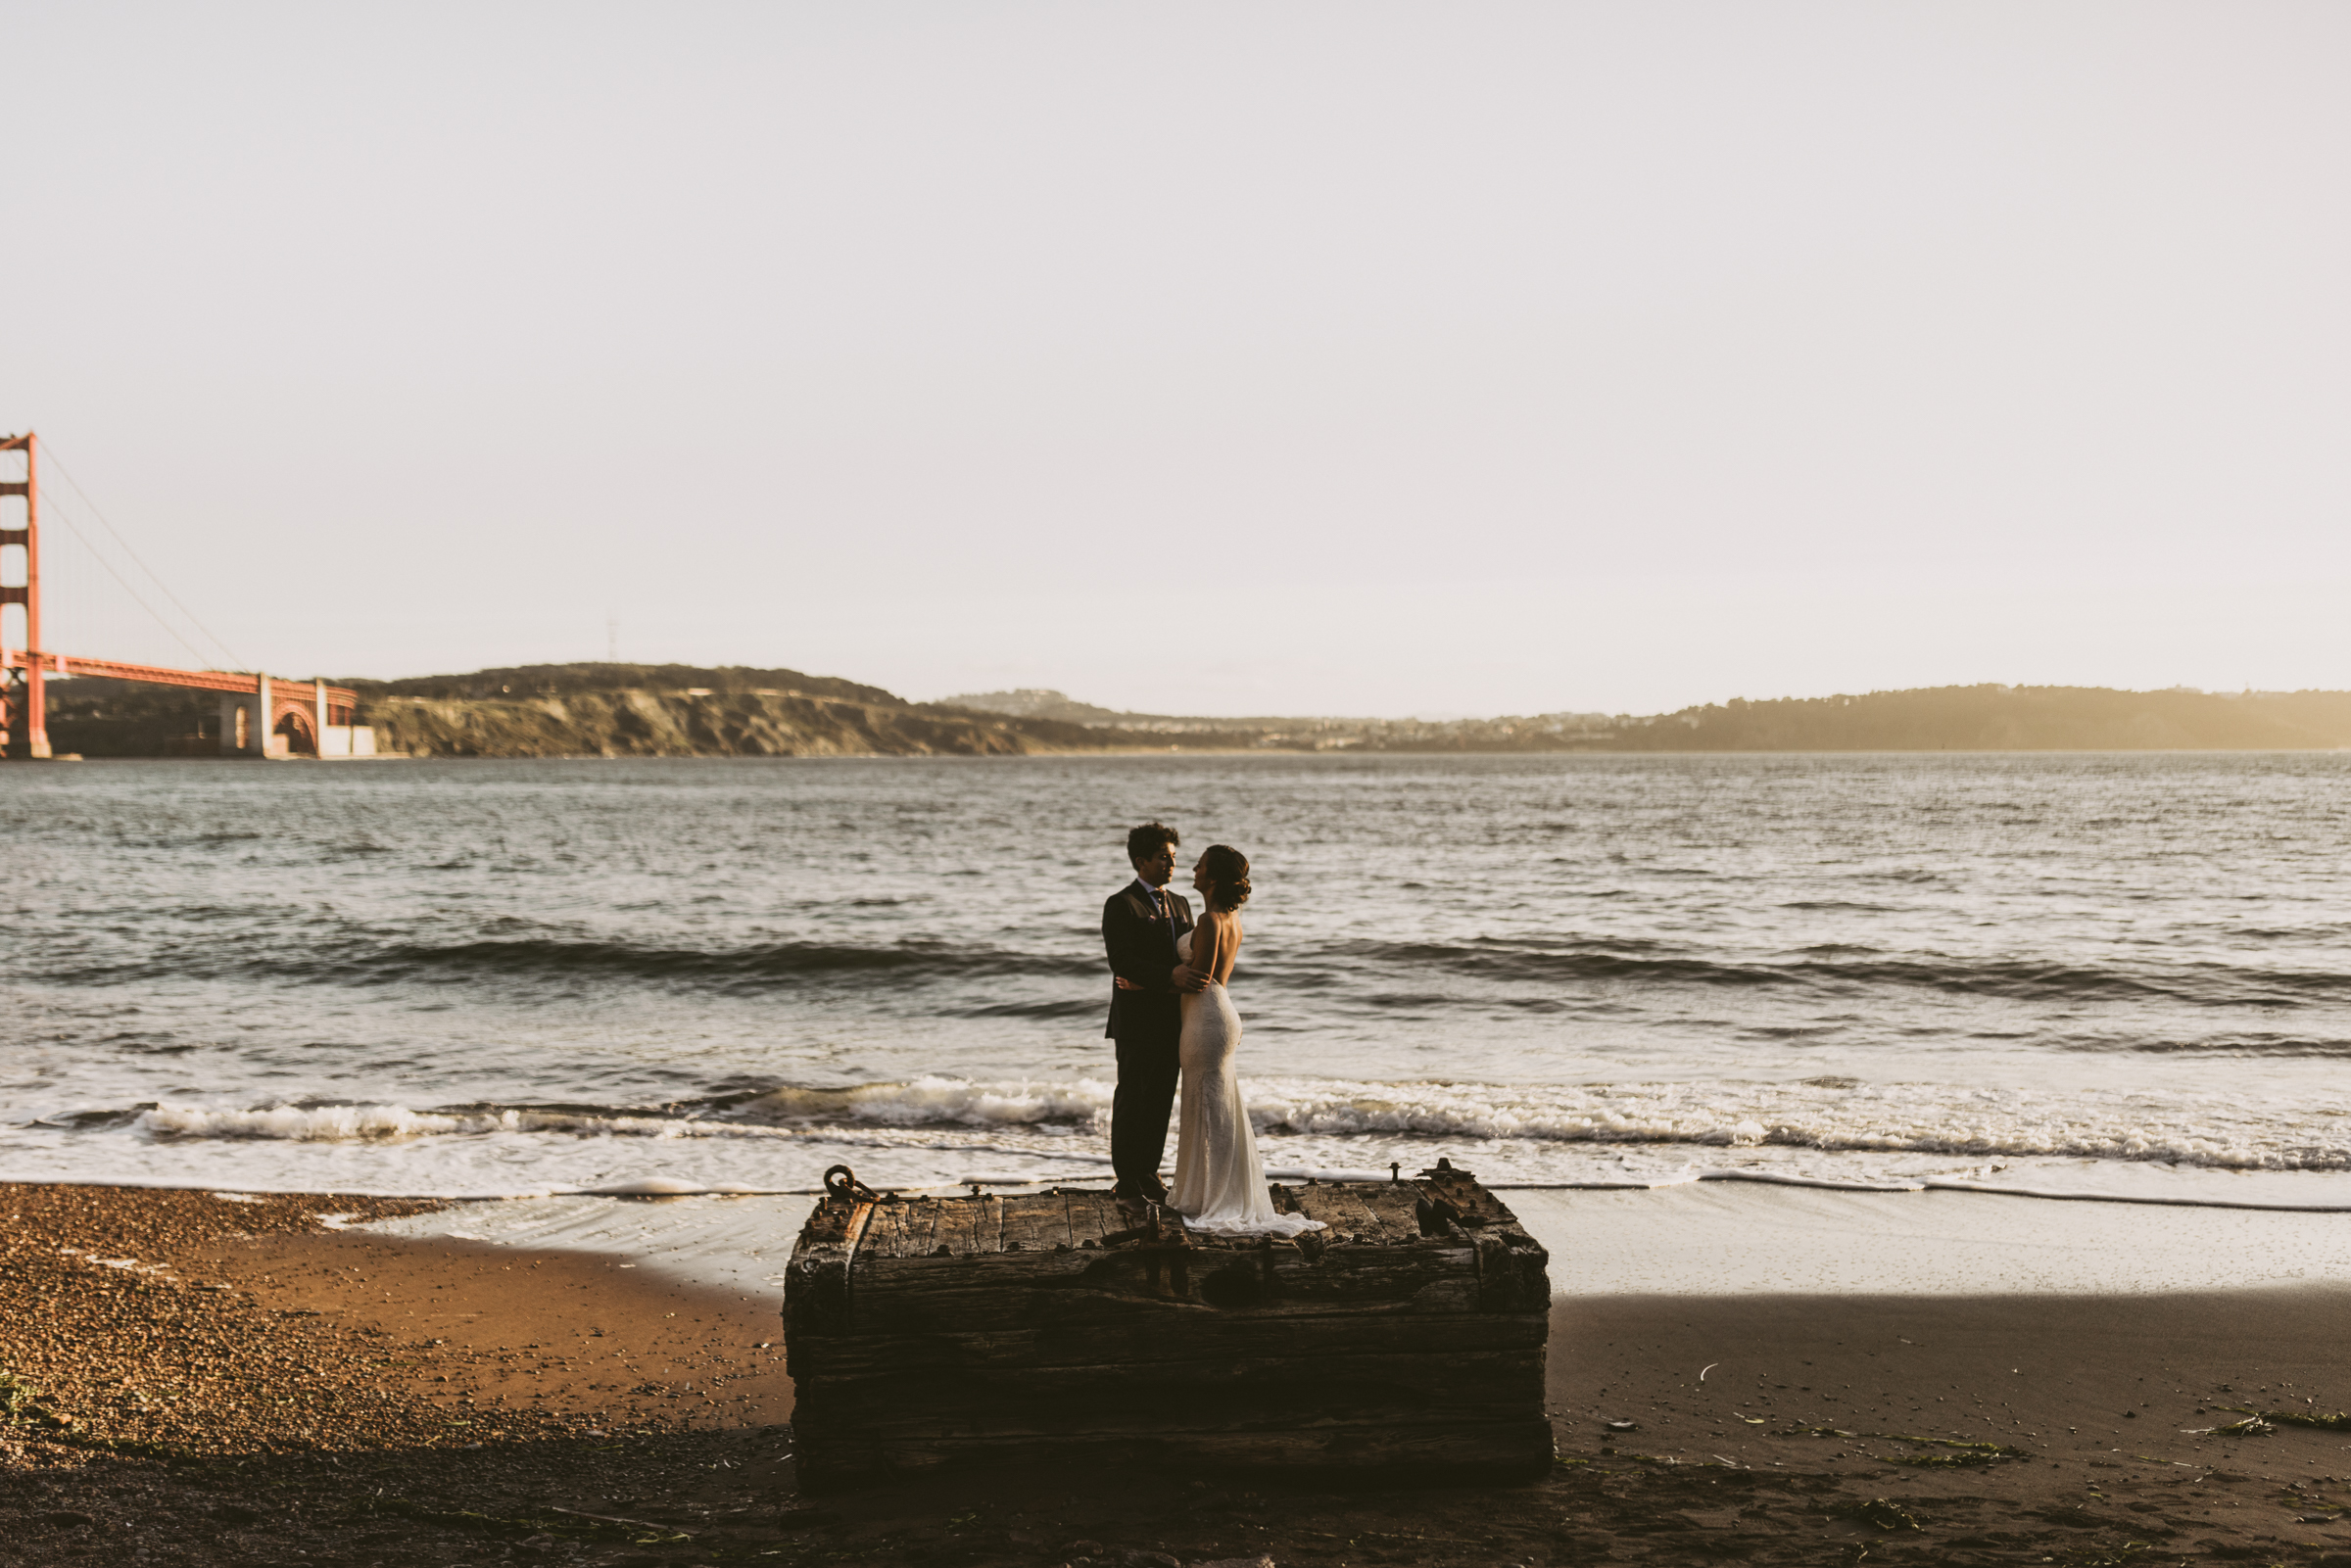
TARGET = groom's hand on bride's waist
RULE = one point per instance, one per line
(1183, 978)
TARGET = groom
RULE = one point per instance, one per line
(1140, 927)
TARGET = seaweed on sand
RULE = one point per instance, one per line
(1877, 1512)
(1941, 1452)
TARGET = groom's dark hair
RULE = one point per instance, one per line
(1144, 842)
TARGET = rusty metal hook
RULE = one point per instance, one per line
(840, 1182)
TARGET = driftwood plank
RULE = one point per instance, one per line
(912, 1231)
(1197, 1417)
(914, 1295)
(958, 1232)
(923, 1226)
(1396, 1207)
(1037, 1225)
(987, 1226)
(817, 1279)
(988, 1234)
(1476, 1206)
(881, 1233)
(1342, 1270)
(1190, 1390)
(1347, 1216)
(917, 1222)
(905, 1222)
(1092, 1215)
(1196, 1335)
(1094, 1399)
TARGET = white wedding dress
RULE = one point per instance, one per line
(1219, 1185)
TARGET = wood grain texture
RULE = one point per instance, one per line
(1092, 1217)
(1205, 1334)
(1347, 1215)
(1037, 1225)
(885, 1233)
(1396, 1207)
(930, 1295)
(1193, 1391)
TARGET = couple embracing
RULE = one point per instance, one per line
(1174, 1021)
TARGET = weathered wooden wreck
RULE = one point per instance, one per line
(1406, 1339)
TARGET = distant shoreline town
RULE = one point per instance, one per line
(615, 710)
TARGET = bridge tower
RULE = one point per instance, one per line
(23, 705)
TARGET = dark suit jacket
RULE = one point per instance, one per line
(1142, 948)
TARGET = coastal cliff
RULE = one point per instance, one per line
(678, 710)
(652, 722)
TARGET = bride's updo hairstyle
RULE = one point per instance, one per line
(1228, 871)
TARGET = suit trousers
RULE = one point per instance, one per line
(1149, 1068)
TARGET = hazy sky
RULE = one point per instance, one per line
(1360, 358)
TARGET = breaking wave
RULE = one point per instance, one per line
(1848, 969)
(1829, 1116)
(766, 965)
(364, 962)
(967, 980)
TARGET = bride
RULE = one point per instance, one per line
(1219, 1185)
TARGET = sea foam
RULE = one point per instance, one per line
(1834, 1116)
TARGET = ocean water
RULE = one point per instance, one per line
(2124, 974)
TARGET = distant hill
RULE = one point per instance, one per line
(1968, 718)
(1036, 702)
(1040, 702)
(569, 680)
(2002, 718)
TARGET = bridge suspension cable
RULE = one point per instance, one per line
(229, 659)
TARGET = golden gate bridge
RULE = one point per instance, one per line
(260, 715)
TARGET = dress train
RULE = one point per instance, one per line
(1220, 1183)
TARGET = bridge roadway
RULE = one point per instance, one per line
(260, 715)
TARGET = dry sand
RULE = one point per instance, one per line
(594, 1413)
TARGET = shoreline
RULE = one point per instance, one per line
(1050, 753)
(1696, 1238)
(231, 1382)
(654, 1188)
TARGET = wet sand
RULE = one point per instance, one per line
(2009, 1412)
(243, 1385)
(588, 1337)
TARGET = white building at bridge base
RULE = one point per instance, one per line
(292, 719)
